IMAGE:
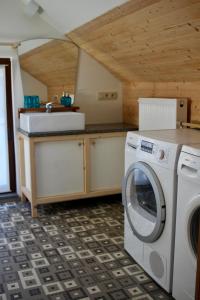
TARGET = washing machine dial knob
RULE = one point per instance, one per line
(161, 154)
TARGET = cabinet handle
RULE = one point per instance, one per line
(80, 144)
(93, 143)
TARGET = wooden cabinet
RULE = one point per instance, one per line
(60, 168)
(106, 162)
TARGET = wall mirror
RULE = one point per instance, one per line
(48, 68)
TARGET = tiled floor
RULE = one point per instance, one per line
(71, 251)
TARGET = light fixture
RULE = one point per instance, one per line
(31, 7)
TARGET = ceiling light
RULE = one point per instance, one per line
(31, 7)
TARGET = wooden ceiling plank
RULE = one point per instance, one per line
(139, 20)
(155, 30)
(164, 33)
(117, 13)
(54, 63)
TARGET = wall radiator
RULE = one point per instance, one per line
(161, 113)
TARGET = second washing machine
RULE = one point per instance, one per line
(187, 223)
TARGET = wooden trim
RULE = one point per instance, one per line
(26, 192)
(102, 192)
(106, 134)
(76, 137)
(10, 130)
(33, 179)
(87, 164)
(197, 291)
(60, 198)
(76, 196)
(22, 136)
(191, 125)
(21, 166)
(57, 138)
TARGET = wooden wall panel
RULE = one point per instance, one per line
(132, 91)
(146, 40)
(54, 64)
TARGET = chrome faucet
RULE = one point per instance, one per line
(49, 107)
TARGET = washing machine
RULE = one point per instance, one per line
(149, 197)
(187, 223)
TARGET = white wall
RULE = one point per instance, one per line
(66, 15)
(17, 95)
(32, 86)
(92, 78)
(17, 26)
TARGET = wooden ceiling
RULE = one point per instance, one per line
(54, 63)
(146, 40)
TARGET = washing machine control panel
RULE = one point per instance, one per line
(146, 146)
(159, 152)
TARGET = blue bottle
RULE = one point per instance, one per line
(36, 101)
(62, 99)
(27, 101)
(66, 100)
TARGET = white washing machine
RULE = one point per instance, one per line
(187, 223)
(149, 196)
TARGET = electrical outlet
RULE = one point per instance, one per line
(104, 96)
(113, 95)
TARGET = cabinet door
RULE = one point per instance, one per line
(59, 168)
(106, 162)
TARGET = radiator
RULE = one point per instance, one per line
(161, 113)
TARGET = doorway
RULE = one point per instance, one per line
(7, 151)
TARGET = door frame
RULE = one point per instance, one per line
(10, 129)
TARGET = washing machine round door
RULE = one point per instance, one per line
(144, 202)
(192, 217)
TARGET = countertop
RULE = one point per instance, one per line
(89, 129)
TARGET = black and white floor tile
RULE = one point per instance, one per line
(71, 251)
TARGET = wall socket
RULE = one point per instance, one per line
(104, 96)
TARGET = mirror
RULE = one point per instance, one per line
(48, 68)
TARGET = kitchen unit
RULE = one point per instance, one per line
(60, 166)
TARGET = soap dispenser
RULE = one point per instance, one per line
(66, 100)
(62, 99)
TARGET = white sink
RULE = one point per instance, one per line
(49, 122)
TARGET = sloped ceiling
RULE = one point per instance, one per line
(56, 18)
(66, 15)
(146, 40)
(54, 63)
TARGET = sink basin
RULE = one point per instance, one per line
(49, 122)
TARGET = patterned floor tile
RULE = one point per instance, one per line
(73, 250)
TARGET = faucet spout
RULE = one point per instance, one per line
(49, 107)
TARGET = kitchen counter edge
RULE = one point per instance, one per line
(89, 129)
